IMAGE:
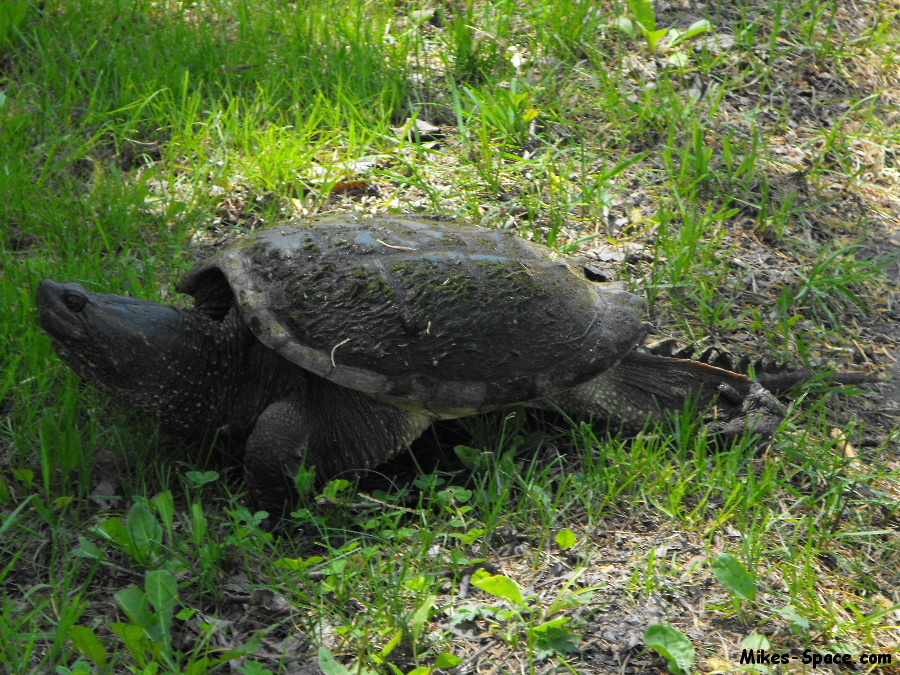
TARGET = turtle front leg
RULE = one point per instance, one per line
(274, 453)
(331, 428)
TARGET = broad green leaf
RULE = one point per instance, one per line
(88, 549)
(88, 644)
(499, 585)
(162, 592)
(756, 641)
(472, 458)
(135, 640)
(165, 506)
(554, 623)
(471, 536)
(145, 533)
(134, 603)
(698, 27)
(566, 539)
(673, 645)
(199, 667)
(392, 644)
(251, 646)
(653, 37)
(63, 501)
(198, 479)
(552, 638)
(198, 523)
(734, 577)
(298, 563)
(695, 29)
(454, 493)
(419, 583)
(253, 668)
(420, 616)
(114, 530)
(567, 598)
(330, 665)
(799, 623)
(644, 13)
(446, 660)
(336, 566)
(333, 487)
(24, 475)
(625, 24)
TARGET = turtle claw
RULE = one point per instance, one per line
(760, 413)
(730, 394)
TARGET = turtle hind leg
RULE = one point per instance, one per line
(354, 431)
(643, 384)
(323, 426)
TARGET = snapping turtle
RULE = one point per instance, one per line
(337, 341)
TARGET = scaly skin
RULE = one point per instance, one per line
(642, 383)
(335, 342)
(178, 366)
(197, 375)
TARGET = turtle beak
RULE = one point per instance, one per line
(61, 305)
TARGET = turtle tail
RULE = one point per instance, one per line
(776, 377)
(644, 384)
(786, 380)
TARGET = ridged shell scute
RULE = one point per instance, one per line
(427, 314)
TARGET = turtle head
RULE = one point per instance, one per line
(124, 346)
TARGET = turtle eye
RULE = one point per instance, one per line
(74, 300)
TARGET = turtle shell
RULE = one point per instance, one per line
(426, 314)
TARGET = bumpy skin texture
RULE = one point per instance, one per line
(642, 382)
(334, 429)
(201, 376)
(336, 342)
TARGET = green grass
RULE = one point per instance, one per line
(131, 130)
